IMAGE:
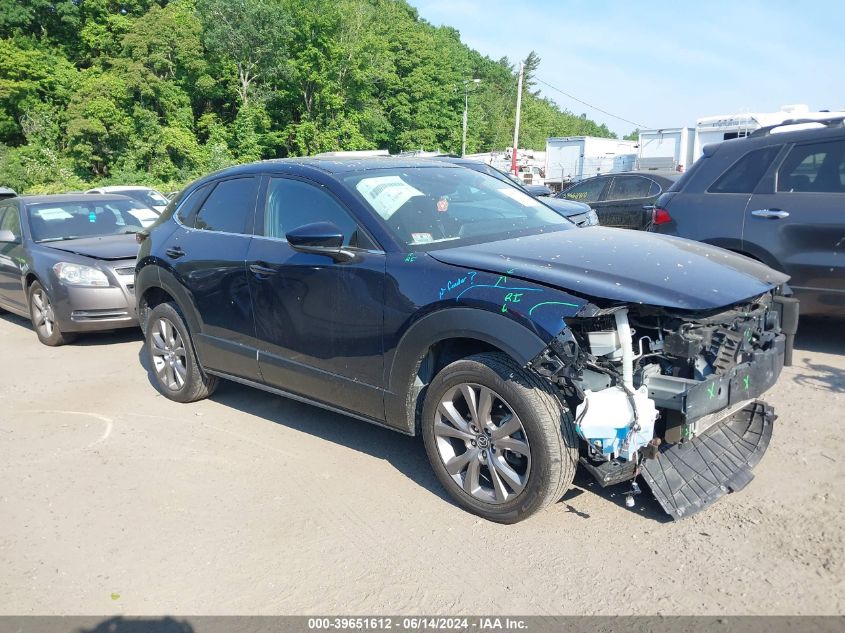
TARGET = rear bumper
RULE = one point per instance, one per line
(687, 477)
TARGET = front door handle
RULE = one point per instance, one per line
(258, 269)
(771, 214)
(175, 252)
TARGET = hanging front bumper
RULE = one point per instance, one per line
(687, 477)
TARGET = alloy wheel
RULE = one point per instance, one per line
(170, 359)
(43, 313)
(482, 443)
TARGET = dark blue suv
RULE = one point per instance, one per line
(436, 300)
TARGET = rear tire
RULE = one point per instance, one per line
(43, 317)
(498, 438)
(176, 370)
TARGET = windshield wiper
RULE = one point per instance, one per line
(57, 239)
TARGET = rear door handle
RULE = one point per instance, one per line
(258, 269)
(175, 252)
(771, 214)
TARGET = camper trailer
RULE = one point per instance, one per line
(723, 127)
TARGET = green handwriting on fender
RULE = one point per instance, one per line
(455, 283)
(511, 297)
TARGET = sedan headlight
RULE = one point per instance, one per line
(592, 218)
(79, 275)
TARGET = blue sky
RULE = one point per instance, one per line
(664, 64)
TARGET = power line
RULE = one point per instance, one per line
(589, 105)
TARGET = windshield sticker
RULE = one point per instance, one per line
(52, 214)
(421, 238)
(386, 194)
(443, 205)
(517, 196)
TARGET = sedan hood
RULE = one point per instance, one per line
(625, 266)
(108, 247)
(566, 207)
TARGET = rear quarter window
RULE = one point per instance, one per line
(187, 205)
(744, 174)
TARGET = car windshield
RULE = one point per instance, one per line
(69, 220)
(150, 197)
(424, 206)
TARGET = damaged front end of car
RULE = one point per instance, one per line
(672, 395)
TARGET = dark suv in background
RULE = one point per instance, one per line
(777, 196)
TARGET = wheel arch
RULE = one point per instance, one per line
(28, 280)
(154, 286)
(438, 339)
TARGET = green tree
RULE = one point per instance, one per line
(249, 34)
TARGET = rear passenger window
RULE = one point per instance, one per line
(229, 207)
(818, 167)
(744, 174)
(587, 191)
(628, 187)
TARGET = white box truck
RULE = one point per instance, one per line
(666, 149)
(573, 158)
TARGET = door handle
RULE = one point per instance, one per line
(771, 214)
(258, 269)
(175, 252)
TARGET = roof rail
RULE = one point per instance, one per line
(836, 121)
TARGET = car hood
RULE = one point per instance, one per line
(620, 265)
(108, 247)
(566, 207)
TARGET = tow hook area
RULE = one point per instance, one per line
(687, 477)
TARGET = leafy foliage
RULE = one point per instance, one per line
(161, 91)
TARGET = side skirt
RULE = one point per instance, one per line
(298, 398)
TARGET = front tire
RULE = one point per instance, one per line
(174, 363)
(498, 438)
(43, 317)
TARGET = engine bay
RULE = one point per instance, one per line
(641, 379)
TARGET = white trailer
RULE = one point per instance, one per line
(667, 149)
(573, 158)
(723, 127)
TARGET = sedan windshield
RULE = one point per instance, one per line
(69, 220)
(428, 205)
(149, 197)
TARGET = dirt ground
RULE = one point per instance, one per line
(114, 500)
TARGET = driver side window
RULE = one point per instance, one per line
(10, 221)
(294, 203)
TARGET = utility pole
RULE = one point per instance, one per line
(466, 112)
(516, 125)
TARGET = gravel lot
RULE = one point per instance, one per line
(115, 500)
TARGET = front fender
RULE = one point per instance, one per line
(489, 327)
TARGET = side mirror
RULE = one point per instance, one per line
(320, 238)
(9, 237)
